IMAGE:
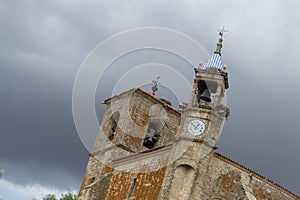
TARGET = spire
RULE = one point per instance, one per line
(215, 60)
(219, 45)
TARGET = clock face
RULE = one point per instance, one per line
(196, 127)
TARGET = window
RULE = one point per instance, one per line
(92, 180)
(132, 188)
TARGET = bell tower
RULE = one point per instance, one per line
(201, 122)
(202, 117)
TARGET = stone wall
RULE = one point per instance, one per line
(227, 180)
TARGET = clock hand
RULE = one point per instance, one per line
(198, 125)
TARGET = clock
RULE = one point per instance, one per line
(196, 127)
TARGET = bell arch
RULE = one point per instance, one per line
(182, 183)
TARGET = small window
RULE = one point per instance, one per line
(113, 124)
(92, 179)
(151, 137)
(132, 188)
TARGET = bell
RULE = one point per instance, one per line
(205, 96)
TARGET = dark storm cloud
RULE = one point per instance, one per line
(44, 43)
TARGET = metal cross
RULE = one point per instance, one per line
(222, 31)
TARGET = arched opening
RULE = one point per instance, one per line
(113, 124)
(152, 136)
(182, 182)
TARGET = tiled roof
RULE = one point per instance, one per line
(214, 61)
(149, 94)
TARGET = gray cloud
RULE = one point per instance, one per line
(44, 43)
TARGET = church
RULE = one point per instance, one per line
(148, 150)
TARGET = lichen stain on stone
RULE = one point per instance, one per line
(106, 170)
(262, 194)
(228, 186)
(229, 182)
(139, 111)
(148, 185)
(119, 186)
(132, 142)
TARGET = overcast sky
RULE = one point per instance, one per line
(43, 44)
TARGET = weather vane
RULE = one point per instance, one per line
(222, 31)
(154, 87)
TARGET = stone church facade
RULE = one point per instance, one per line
(148, 150)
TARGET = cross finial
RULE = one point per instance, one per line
(219, 45)
(222, 31)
